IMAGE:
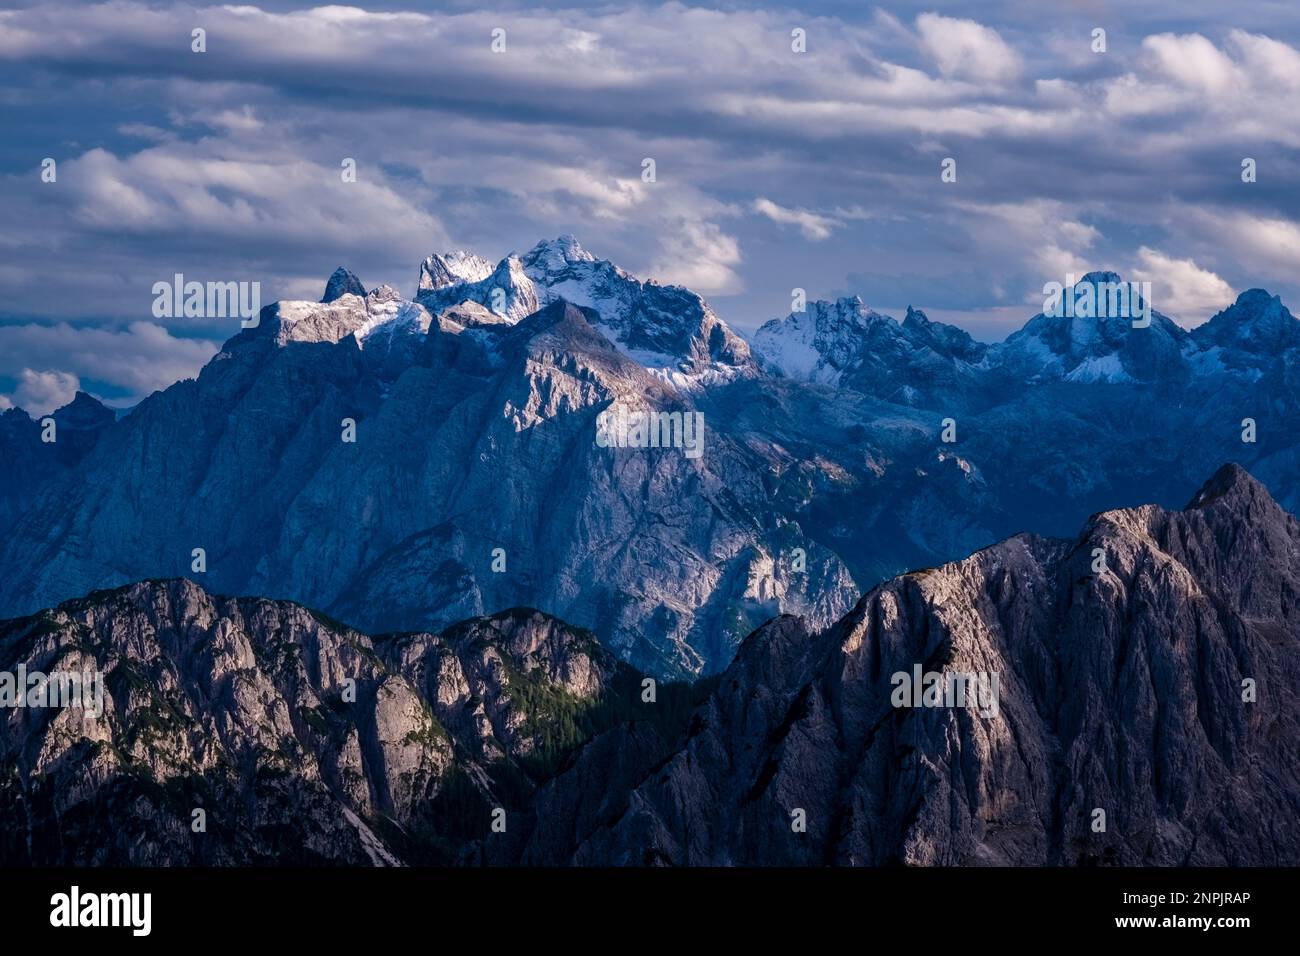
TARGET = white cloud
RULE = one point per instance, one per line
(217, 209)
(1273, 62)
(965, 49)
(187, 188)
(242, 120)
(623, 65)
(39, 393)
(1230, 94)
(1180, 288)
(1037, 235)
(1129, 97)
(239, 176)
(1265, 245)
(139, 359)
(702, 257)
(1195, 63)
(814, 226)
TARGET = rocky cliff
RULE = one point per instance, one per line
(1147, 712)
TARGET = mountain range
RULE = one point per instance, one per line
(1146, 713)
(842, 447)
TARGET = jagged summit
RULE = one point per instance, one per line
(1105, 286)
(1231, 482)
(665, 327)
(476, 429)
(1257, 300)
(1125, 688)
(1257, 322)
(846, 344)
(1140, 670)
(342, 282)
(1100, 277)
(452, 268)
(382, 309)
(842, 342)
(1100, 334)
(851, 310)
(1115, 338)
(822, 342)
(554, 255)
(85, 411)
(941, 337)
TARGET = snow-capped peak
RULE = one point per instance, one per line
(452, 268)
(555, 255)
(1257, 322)
(658, 326)
(1100, 329)
(348, 314)
(819, 343)
(846, 344)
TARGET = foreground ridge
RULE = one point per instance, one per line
(1145, 713)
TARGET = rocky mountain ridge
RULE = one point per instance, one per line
(1160, 690)
(1147, 669)
(299, 739)
(475, 482)
(919, 362)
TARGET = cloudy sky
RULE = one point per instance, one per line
(775, 169)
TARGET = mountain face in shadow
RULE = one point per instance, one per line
(1160, 690)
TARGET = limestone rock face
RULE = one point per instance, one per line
(300, 740)
(1161, 690)
(475, 483)
(453, 268)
